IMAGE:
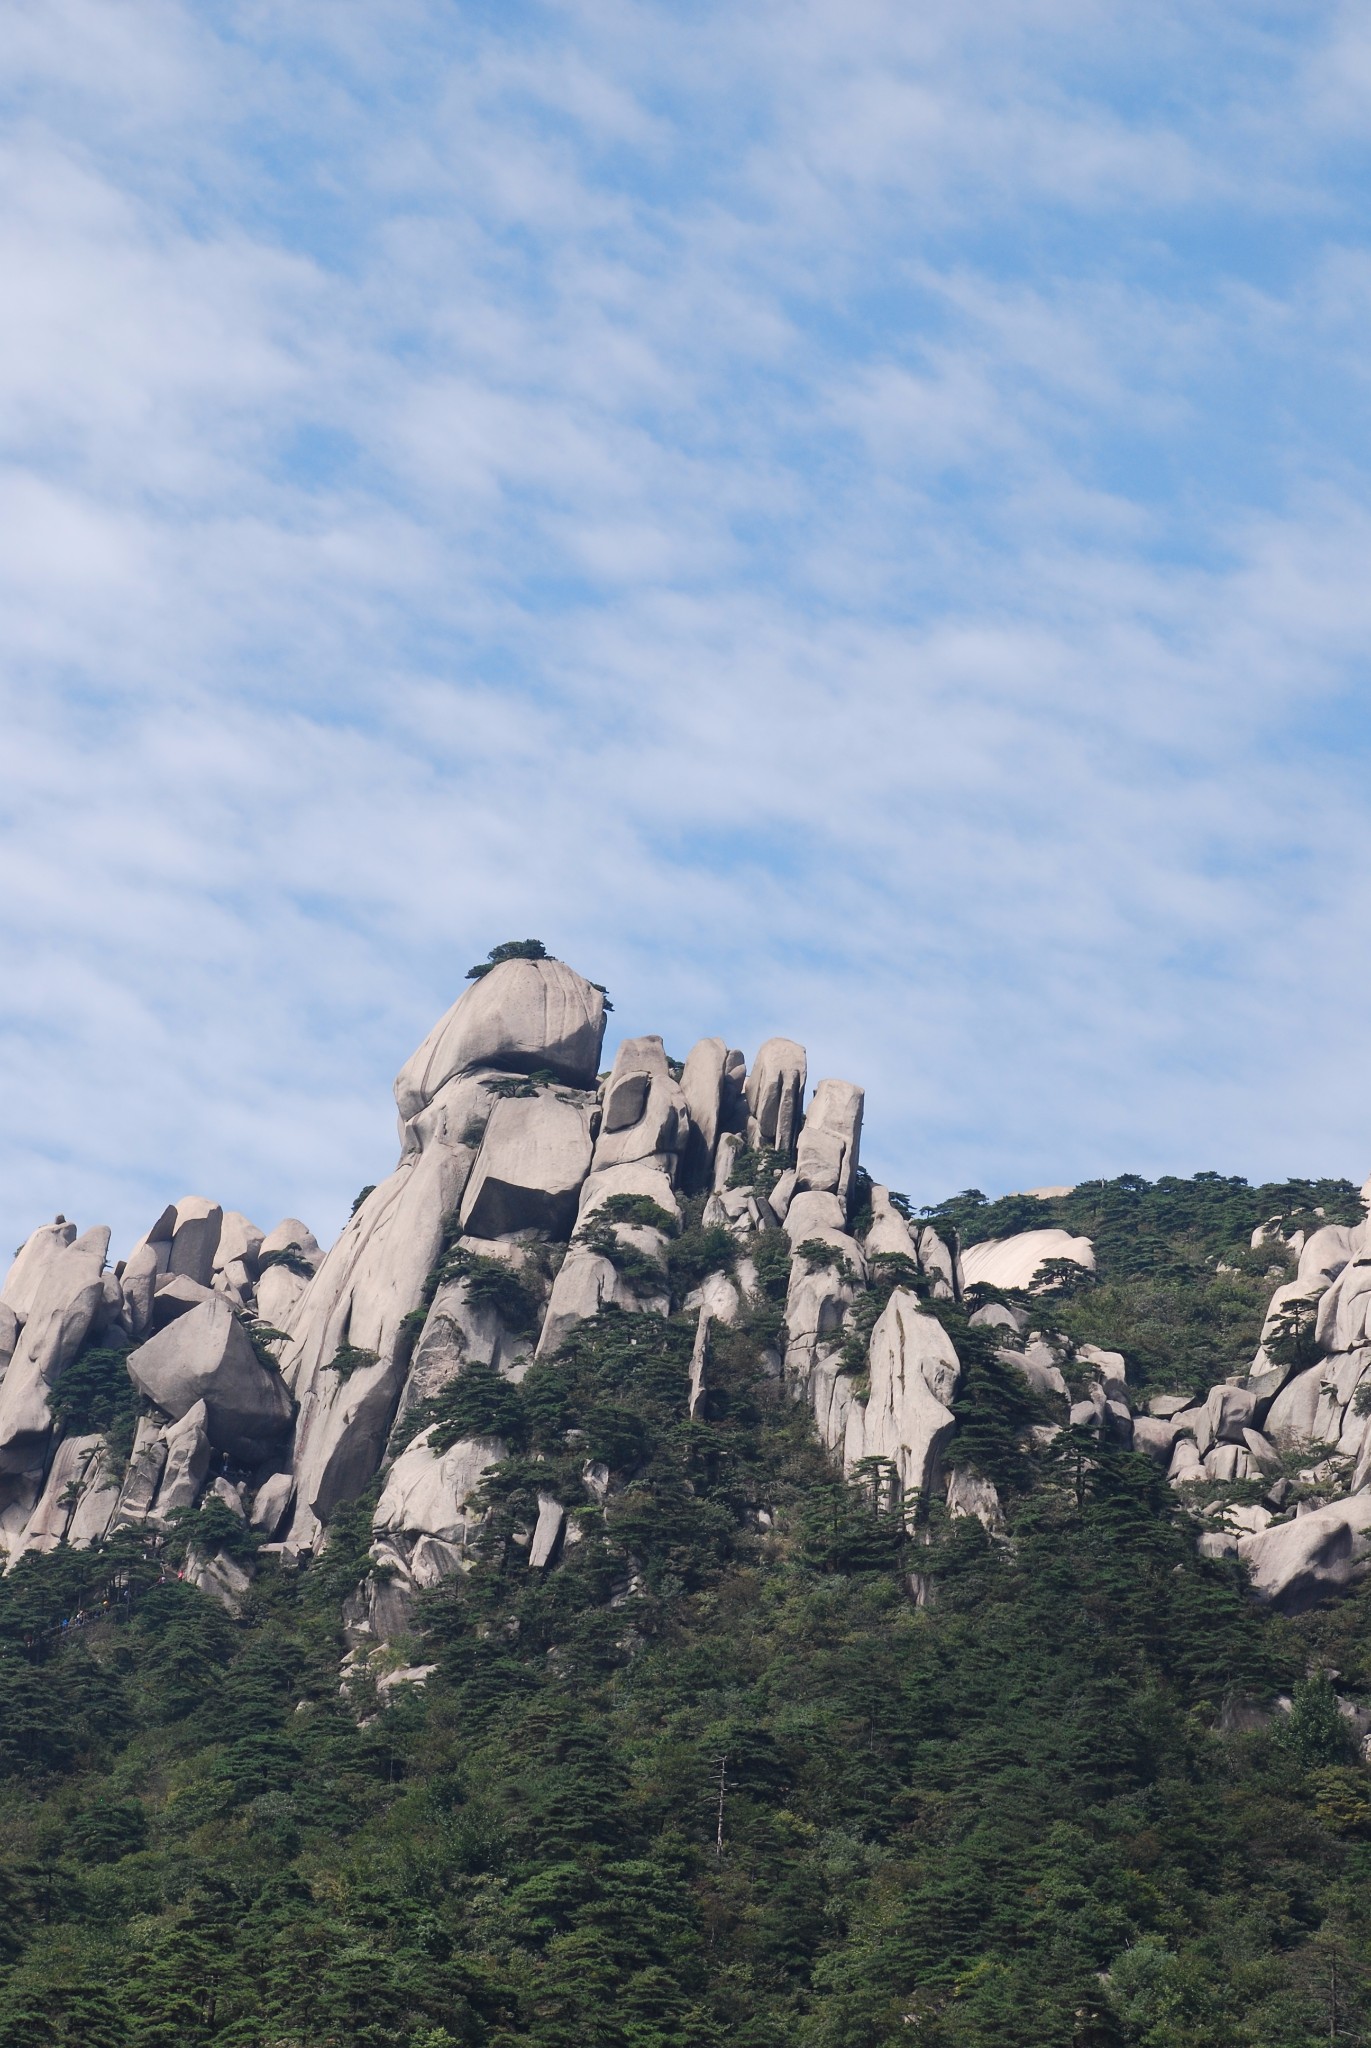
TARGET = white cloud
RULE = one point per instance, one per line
(770, 504)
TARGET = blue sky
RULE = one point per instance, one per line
(849, 520)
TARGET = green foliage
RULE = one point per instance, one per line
(1314, 1731)
(492, 1284)
(1170, 1225)
(509, 1086)
(698, 1252)
(479, 1402)
(757, 1168)
(1175, 1286)
(351, 1358)
(890, 1270)
(824, 1258)
(95, 1393)
(644, 1274)
(512, 949)
(292, 1258)
(994, 1409)
(761, 1759)
(361, 1196)
(109, 1831)
(770, 1255)
(860, 1204)
(640, 1209)
(263, 1339)
(1291, 1341)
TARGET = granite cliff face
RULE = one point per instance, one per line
(534, 1191)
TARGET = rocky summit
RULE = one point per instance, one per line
(644, 1583)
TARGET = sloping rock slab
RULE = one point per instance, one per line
(205, 1356)
(1296, 1564)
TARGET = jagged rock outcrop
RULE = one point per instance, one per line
(775, 1095)
(429, 1492)
(48, 1523)
(529, 1195)
(462, 1330)
(351, 1334)
(712, 1089)
(287, 1259)
(56, 1287)
(826, 1155)
(907, 1417)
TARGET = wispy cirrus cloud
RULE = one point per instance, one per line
(843, 520)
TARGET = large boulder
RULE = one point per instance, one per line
(817, 1300)
(1325, 1253)
(587, 1281)
(815, 1213)
(174, 1294)
(47, 1524)
(1156, 1438)
(287, 1259)
(205, 1356)
(1343, 1321)
(907, 1418)
(270, 1502)
(356, 1308)
(534, 1156)
(1226, 1413)
(195, 1238)
(98, 1499)
(66, 1294)
(1039, 1365)
(429, 1492)
(235, 1260)
(547, 1530)
(970, 1493)
(889, 1235)
(293, 1239)
(775, 1095)
(188, 1452)
(147, 1462)
(942, 1266)
(138, 1283)
(648, 1177)
(521, 1017)
(712, 1087)
(826, 1157)
(1012, 1262)
(1295, 1564)
(644, 1114)
(31, 1263)
(1306, 1410)
(459, 1332)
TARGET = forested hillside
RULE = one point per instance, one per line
(768, 1759)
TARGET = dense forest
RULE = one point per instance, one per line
(759, 1764)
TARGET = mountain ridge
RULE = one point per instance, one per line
(696, 1610)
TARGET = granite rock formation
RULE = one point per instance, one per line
(533, 1191)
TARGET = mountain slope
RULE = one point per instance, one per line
(668, 1671)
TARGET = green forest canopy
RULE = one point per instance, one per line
(755, 1765)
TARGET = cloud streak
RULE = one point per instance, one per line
(845, 521)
